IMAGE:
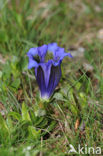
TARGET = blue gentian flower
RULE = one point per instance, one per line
(48, 73)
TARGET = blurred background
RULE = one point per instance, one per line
(71, 23)
(76, 25)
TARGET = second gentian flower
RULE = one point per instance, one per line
(47, 72)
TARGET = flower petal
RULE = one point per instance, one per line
(42, 52)
(48, 77)
(32, 52)
(52, 47)
(46, 69)
(32, 63)
(41, 80)
(54, 79)
(60, 54)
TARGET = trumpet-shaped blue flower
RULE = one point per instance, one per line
(48, 73)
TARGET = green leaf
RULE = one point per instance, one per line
(33, 133)
(16, 83)
(3, 123)
(3, 36)
(25, 114)
(83, 100)
(15, 115)
(52, 125)
(18, 19)
(9, 123)
(40, 112)
(4, 131)
(1, 74)
(78, 85)
(59, 96)
(24, 63)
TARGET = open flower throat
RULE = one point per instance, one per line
(46, 60)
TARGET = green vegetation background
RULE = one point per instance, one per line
(74, 115)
